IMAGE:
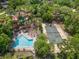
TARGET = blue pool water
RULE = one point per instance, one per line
(22, 42)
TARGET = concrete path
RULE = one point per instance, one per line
(44, 30)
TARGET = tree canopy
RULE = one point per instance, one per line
(6, 25)
(4, 43)
(41, 47)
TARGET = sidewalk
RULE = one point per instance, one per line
(44, 30)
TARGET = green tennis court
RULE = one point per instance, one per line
(53, 35)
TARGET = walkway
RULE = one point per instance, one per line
(44, 30)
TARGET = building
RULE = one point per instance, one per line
(4, 3)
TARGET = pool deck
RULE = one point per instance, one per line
(30, 48)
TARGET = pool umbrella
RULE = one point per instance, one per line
(21, 20)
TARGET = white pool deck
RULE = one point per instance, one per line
(30, 48)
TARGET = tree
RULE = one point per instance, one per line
(46, 12)
(13, 4)
(47, 16)
(73, 47)
(75, 42)
(41, 47)
(70, 48)
(72, 23)
(61, 2)
(6, 25)
(67, 51)
(36, 1)
(75, 3)
(4, 43)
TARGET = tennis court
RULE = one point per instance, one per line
(53, 34)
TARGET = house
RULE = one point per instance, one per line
(4, 3)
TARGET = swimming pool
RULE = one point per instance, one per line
(22, 42)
